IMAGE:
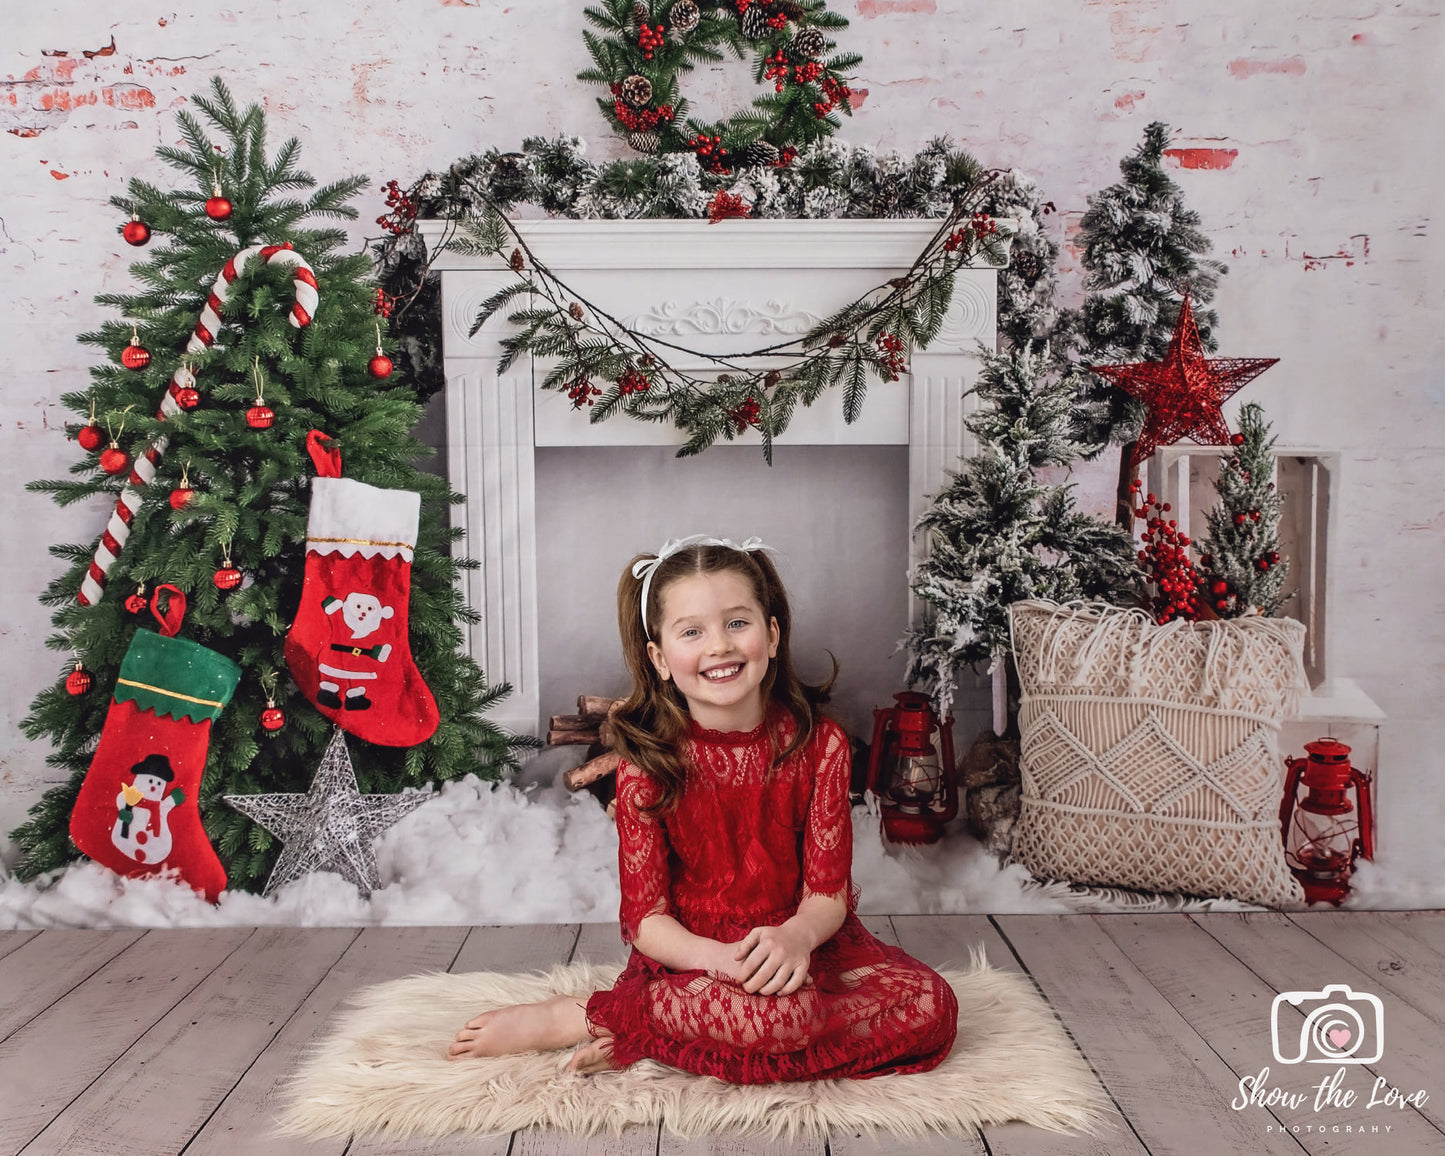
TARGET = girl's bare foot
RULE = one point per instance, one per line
(554, 1023)
(592, 1058)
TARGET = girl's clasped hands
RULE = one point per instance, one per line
(768, 961)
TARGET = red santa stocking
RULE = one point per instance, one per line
(137, 812)
(348, 649)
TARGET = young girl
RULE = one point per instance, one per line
(735, 844)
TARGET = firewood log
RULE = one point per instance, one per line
(572, 722)
(590, 771)
(595, 705)
(571, 738)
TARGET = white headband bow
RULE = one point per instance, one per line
(645, 568)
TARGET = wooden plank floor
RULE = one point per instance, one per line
(146, 1043)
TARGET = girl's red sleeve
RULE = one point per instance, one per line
(828, 836)
(642, 851)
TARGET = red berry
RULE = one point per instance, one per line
(89, 437)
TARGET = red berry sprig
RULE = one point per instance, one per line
(385, 302)
(778, 21)
(1165, 559)
(710, 152)
(746, 414)
(835, 92)
(642, 119)
(890, 348)
(777, 70)
(583, 391)
(726, 205)
(633, 381)
(650, 39)
(403, 210)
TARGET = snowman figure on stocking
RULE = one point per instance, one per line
(362, 615)
(142, 829)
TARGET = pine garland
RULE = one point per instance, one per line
(829, 179)
(251, 494)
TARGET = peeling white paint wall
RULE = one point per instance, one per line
(1307, 135)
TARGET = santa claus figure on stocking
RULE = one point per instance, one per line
(361, 616)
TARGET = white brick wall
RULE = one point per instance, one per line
(1313, 130)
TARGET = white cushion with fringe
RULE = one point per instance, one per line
(1150, 754)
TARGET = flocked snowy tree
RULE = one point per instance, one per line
(1243, 571)
(1142, 252)
(230, 492)
(998, 534)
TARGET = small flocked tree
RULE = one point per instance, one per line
(998, 534)
(249, 489)
(1243, 571)
(1142, 253)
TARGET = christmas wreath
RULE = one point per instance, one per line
(641, 48)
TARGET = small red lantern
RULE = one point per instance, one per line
(1324, 833)
(910, 769)
(135, 355)
(260, 416)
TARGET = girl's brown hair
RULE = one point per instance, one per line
(652, 723)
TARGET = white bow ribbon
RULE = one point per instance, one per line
(645, 568)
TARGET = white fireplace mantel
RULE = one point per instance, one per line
(739, 284)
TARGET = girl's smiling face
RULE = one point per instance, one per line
(715, 643)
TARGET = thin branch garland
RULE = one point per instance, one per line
(871, 335)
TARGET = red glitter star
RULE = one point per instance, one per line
(1183, 392)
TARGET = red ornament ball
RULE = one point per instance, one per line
(179, 497)
(380, 366)
(90, 437)
(1274, 557)
(136, 603)
(188, 398)
(114, 460)
(136, 232)
(273, 718)
(1219, 587)
(260, 417)
(135, 357)
(218, 208)
(78, 681)
(1263, 563)
(227, 578)
(1236, 439)
(1221, 605)
(1239, 519)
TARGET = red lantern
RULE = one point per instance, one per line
(910, 769)
(78, 681)
(260, 416)
(1324, 833)
(135, 355)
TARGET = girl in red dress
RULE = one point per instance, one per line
(735, 845)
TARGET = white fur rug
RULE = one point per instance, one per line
(383, 1069)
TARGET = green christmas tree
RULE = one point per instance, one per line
(1243, 571)
(250, 488)
(1142, 253)
(998, 534)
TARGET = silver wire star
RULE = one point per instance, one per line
(332, 826)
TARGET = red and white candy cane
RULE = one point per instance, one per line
(144, 470)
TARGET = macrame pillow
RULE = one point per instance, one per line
(1150, 754)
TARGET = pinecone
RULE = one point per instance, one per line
(1028, 268)
(808, 44)
(639, 13)
(637, 90)
(684, 16)
(643, 142)
(755, 22)
(760, 153)
(791, 9)
(576, 311)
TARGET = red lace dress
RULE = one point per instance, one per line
(742, 850)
